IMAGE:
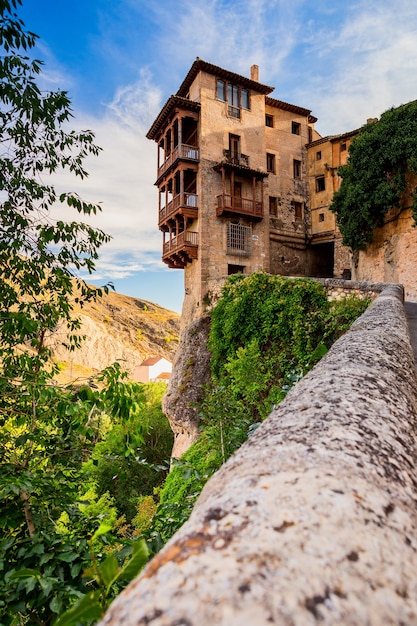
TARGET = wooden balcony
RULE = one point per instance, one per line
(183, 204)
(180, 250)
(228, 205)
(235, 158)
(182, 151)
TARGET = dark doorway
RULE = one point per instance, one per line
(322, 260)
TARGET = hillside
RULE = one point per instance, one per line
(121, 328)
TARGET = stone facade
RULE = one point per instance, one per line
(232, 180)
(245, 183)
(328, 257)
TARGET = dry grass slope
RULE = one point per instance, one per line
(117, 328)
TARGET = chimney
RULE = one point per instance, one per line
(254, 72)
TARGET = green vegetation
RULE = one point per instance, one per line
(82, 466)
(266, 333)
(54, 545)
(381, 159)
(132, 458)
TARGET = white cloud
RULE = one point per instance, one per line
(365, 63)
(121, 179)
(345, 62)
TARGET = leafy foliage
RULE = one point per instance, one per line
(111, 575)
(381, 159)
(45, 533)
(266, 333)
(285, 317)
(133, 457)
(46, 432)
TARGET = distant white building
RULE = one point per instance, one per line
(153, 369)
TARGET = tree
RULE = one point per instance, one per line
(381, 158)
(46, 432)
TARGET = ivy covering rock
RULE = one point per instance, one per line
(382, 162)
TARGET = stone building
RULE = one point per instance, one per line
(233, 181)
(245, 183)
(325, 156)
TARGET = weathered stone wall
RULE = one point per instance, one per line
(336, 288)
(313, 520)
(392, 256)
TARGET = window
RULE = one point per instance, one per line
(320, 183)
(297, 169)
(321, 217)
(295, 128)
(269, 121)
(318, 155)
(235, 269)
(233, 95)
(221, 90)
(234, 147)
(239, 239)
(270, 162)
(273, 205)
(236, 97)
(342, 147)
(244, 98)
(298, 210)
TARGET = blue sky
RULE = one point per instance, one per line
(120, 60)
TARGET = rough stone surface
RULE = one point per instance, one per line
(314, 519)
(191, 370)
(392, 255)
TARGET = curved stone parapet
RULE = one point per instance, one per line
(314, 519)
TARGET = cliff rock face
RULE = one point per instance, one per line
(191, 370)
(392, 255)
(117, 328)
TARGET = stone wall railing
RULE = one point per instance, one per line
(314, 519)
(337, 288)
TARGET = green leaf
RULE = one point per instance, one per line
(56, 604)
(136, 562)
(87, 608)
(109, 569)
(25, 573)
(101, 530)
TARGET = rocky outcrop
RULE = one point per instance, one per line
(392, 255)
(313, 520)
(191, 371)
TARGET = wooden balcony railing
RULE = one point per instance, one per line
(181, 249)
(227, 203)
(186, 203)
(182, 151)
(236, 158)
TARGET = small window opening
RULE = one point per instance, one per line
(318, 155)
(270, 163)
(320, 183)
(296, 128)
(269, 121)
(321, 217)
(221, 90)
(298, 210)
(297, 169)
(235, 269)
